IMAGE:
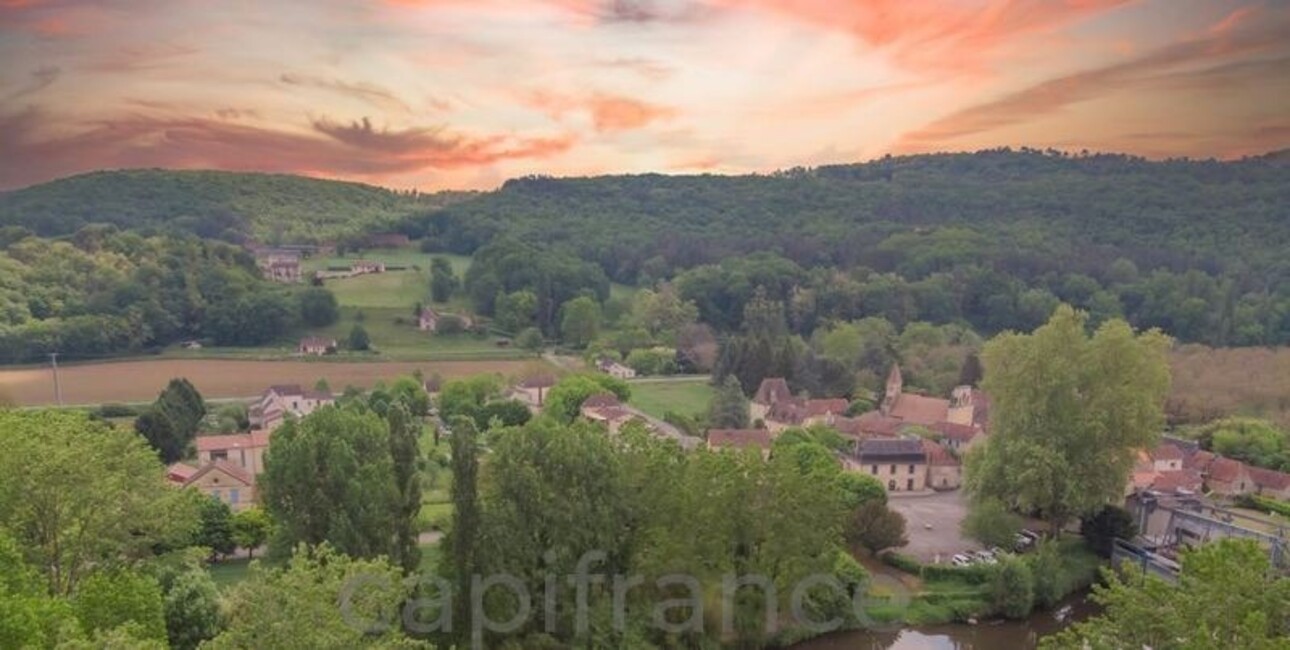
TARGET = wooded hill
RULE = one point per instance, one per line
(212, 204)
(1032, 211)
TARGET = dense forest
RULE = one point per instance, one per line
(103, 291)
(211, 204)
(994, 239)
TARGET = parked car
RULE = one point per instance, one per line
(961, 560)
(986, 557)
(1022, 543)
(1034, 537)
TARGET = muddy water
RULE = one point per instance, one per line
(1007, 635)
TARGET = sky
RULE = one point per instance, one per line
(463, 94)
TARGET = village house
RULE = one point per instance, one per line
(916, 409)
(1270, 483)
(360, 267)
(278, 401)
(944, 470)
(316, 345)
(959, 437)
(278, 265)
(532, 390)
(771, 391)
(613, 416)
(614, 368)
(219, 479)
(900, 464)
(243, 450)
(1228, 477)
(428, 320)
(740, 439)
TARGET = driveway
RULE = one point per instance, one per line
(932, 524)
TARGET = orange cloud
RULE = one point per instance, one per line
(932, 35)
(1160, 66)
(331, 149)
(608, 112)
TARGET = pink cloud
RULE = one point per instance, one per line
(607, 112)
(329, 149)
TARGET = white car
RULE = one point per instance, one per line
(986, 557)
(961, 560)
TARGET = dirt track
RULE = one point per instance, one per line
(140, 381)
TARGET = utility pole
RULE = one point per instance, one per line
(58, 389)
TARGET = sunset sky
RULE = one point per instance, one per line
(435, 94)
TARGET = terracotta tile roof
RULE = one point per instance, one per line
(538, 381)
(883, 450)
(818, 407)
(874, 423)
(1269, 479)
(1166, 452)
(1172, 481)
(772, 390)
(738, 439)
(600, 400)
(1225, 469)
(222, 466)
(939, 455)
(1142, 480)
(954, 431)
(611, 413)
(317, 342)
(180, 472)
(232, 441)
(920, 409)
(1200, 460)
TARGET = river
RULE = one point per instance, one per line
(1009, 635)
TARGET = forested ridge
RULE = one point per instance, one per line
(213, 204)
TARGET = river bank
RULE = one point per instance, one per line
(1014, 635)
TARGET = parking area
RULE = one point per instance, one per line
(932, 525)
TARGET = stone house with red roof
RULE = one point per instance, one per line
(740, 439)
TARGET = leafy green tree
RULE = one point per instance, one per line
(663, 313)
(358, 339)
(1257, 442)
(564, 400)
(858, 489)
(251, 529)
(404, 433)
(173, 419)
(329, 477)
(295, 607)
(318, 307)
(462, 541)
(1068, 414)
(515, 311)
(443, 281)
(80, 496)
(190, 599)
(990, 522)
(729, 406)
(1048, 573)
(215, 529)
(107, 599)
(579, 321)
(411, 392)
(876, 527)
(530, 338)
(1012, 588)
(1102, 528)
(29, 616)
(971, 373)
(1226, 596)
(506, 413)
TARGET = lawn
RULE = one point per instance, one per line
(394, 335)
(685, 395)
(408, 257)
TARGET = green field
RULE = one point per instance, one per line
(684, 395)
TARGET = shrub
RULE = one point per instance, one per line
(117, 411)
(903, 562)
(1012, 589)
(976, 574)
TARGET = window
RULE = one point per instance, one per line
(911, 469)
(893, 469)
(945, 482)
(891, 485)
(233, 496)
(873, 470)
(221, 454)
(909, 485)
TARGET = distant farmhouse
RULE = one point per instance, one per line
(316, 345)
(614, 368)
(278, 265)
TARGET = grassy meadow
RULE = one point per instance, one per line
(684, 395)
